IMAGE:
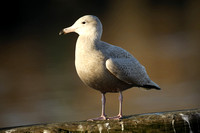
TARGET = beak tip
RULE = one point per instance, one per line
(66, 30)
(61, 32)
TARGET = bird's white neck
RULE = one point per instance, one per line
(87, 42)
(92, 35)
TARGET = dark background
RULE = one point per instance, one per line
(38, 81)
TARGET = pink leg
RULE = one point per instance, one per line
(120, 104)
(119, 116)
(103, 115)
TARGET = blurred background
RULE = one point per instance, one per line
(38, 80)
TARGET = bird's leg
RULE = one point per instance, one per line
(120, 104)
(103, 115)
(103, 100)
(119, 116)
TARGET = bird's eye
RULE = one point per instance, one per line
(83, 22)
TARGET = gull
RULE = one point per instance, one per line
(105, 67)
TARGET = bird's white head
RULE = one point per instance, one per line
(88, 25)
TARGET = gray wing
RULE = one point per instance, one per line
(128, 70)
(126, 67)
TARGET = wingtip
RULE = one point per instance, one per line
(157, 88)
(152, 86)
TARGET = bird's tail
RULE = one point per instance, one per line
(152, 85)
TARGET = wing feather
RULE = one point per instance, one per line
(128, 70)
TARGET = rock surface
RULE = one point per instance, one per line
(183, 121)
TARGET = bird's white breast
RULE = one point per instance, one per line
(89, 62)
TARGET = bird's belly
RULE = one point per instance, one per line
(94, 74)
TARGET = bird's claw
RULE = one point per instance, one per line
(98, 118)
(118, 117)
